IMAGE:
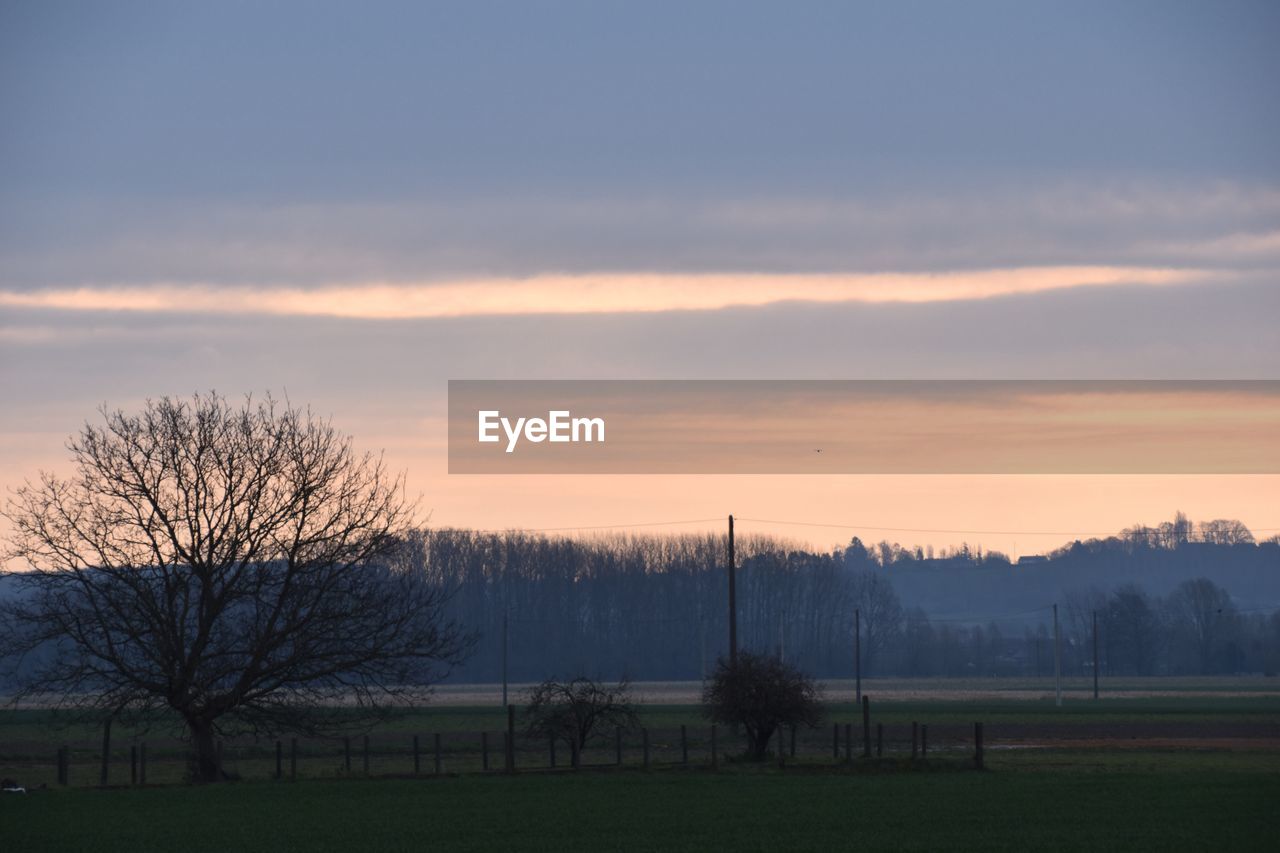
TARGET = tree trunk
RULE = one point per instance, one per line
(204, 756)
(759, 742)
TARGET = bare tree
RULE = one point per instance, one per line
(918, 643)
(1201, 612)
(880, 614)
(761, 693)
(1082, 607)
(1131, 631)
(572, 710)
(1225, 531)
(240, 566)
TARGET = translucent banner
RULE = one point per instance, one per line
(864, 427)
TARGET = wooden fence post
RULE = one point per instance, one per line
(835, 741)
(914, 736)
(645, 734)
(848, 741)
(879, 740)
(439, 755)
(279, 759)
(715, 752)
(977, 745)
(511, 739)
(684, 745)
(924, 740)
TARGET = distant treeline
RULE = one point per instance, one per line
(1176, 599)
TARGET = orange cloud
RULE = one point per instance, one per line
(591, 294)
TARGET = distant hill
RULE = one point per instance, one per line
(957, 588)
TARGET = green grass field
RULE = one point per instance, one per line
(1162, 808)
(1162, 771)
(29, 738)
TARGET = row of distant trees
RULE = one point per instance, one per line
(1166, 536)
(653, 607)
(1195, 630)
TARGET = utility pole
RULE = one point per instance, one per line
(857, 655)
(733, 603)
(1057, 660)
(504, 656)
(1095, 654)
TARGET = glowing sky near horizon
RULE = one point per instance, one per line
(354, 204)
(588, 294)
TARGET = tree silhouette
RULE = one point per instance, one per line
(1202, 615)
(572, 710)
(240, 566)
(760, 693)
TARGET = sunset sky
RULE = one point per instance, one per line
(352, 204)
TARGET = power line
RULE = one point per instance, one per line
(593, 526)
(783, 522)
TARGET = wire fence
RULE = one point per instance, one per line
(165, 761)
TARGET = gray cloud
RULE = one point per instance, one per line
(324, 101)
(291, 142)
(1213, 225)
(304, 143)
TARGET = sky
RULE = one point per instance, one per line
(353, 203)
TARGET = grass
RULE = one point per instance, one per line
(30, 725)
(1187, 698)
(1076, 711)
(1167, 808)
(1061, 796)
(28, 738)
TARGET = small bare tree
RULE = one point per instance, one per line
(240, 566)
(572, 710)
(760, 693)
